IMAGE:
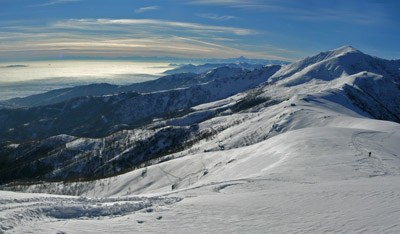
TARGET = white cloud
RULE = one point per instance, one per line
(217, 17)
(143, 9)
(54, 2)
(122, 24)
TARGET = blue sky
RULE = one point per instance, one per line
(271, 29)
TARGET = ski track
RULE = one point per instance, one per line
(374, 165)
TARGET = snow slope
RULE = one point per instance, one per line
(315, 179)
(308, 180)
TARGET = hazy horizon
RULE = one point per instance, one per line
(29, 78)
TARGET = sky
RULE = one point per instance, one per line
(269, 29)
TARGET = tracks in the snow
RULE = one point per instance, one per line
(368, 158)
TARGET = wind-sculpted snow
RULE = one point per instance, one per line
(21, 210)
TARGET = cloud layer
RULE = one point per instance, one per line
(129, 24)
(126, 37)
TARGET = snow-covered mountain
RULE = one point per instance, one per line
(198, 69)
(101, 115)
(178, 79)
(306, 147)
(165, 122)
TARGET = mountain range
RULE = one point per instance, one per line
(307, 147)
(96, 136)
(180, 77)
(198, 69)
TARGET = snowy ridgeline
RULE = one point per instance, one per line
(302, 151)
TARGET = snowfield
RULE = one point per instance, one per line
(311, 180)
(316, 160)
(367, 205)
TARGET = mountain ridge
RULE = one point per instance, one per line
(281, 99)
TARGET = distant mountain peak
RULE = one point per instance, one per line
(347, 48)
(339, 52)
(328, 65)
(344, 50)
(330, 54)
